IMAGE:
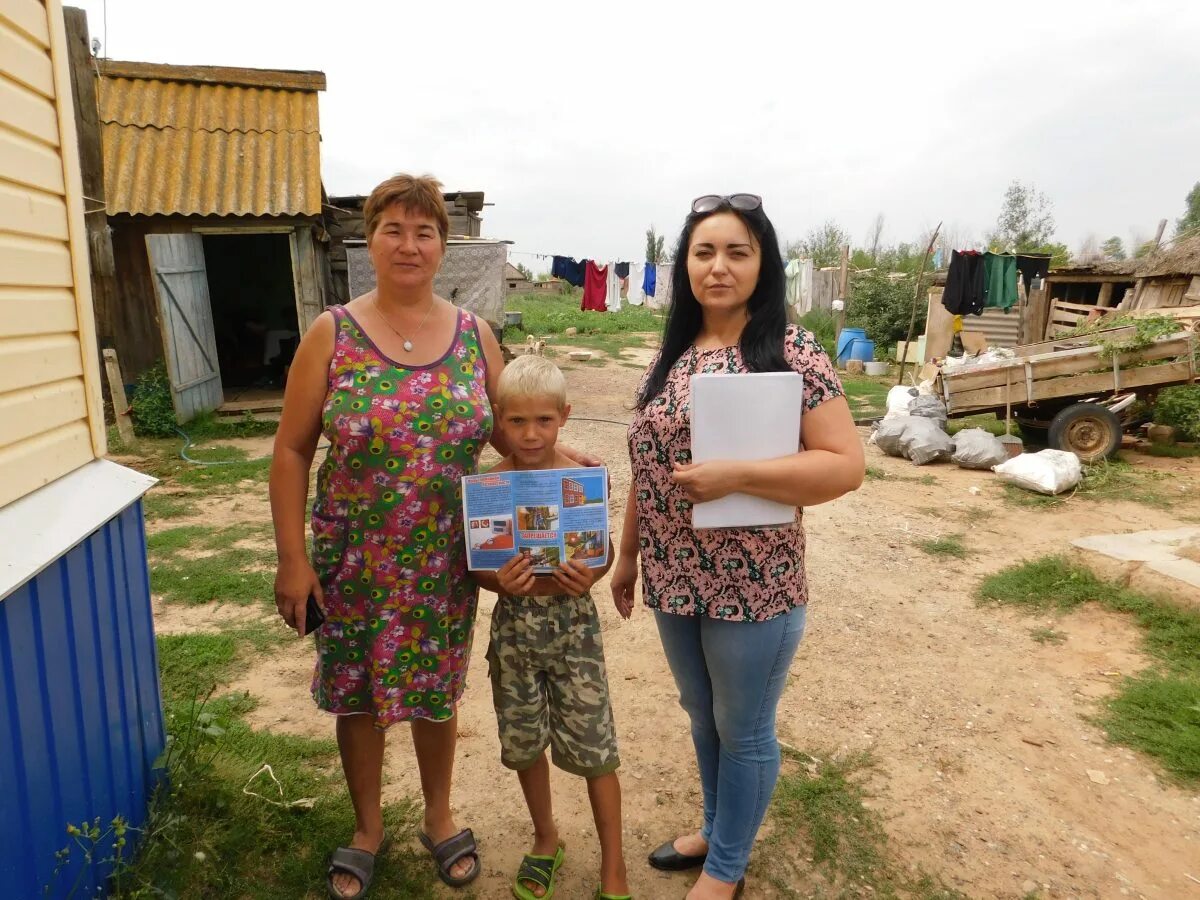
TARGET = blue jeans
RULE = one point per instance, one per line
(730, 677)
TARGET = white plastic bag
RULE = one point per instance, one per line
(975, 448)
(898, 399)
(924, 442)
(1047, 471)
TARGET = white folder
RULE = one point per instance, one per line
(745, 417)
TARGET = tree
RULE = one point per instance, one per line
(1025, 222)
(1191, 218)
(881, 304)
(654, 247)
(1089, 250)
(1113, 249)
(822, 245)
(525, 271)
(874, 237)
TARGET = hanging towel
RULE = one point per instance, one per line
(1000, 280)
(662, 285)
(637, 275)
(792, 291)
(964, 292)
(595, 287)
(612, 296)
(806, 286)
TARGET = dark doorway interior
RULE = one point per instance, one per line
(253, 307)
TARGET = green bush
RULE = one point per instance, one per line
(1179, 407)
(823, 328)
(152, 408)
(882, 306)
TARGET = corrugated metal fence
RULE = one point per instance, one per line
(79, 707)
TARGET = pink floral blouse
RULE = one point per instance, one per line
(739, 574)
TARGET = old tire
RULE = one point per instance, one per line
(1090, 431)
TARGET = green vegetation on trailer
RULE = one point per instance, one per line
(821, 800)
(1156, 711)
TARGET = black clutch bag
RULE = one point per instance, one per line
(313, 616)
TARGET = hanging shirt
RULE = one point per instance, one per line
(964, 293)
(612, 294)
(1000, 280)
(662, 285)
(566, 268)
(595, 287)
(648, 282)
(622, 270)
(792, 291)
(636, 295)
(1032, 267)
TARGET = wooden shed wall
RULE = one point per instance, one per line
(51, 421)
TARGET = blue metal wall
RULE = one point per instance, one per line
(80, 715)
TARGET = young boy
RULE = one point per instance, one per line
(545, 656)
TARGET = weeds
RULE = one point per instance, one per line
(867, 396)
(1047, 635)
(1156, 711)
(1172, 451)
(951, 545)
(1109, 480)
(158, 505)
(822, 802)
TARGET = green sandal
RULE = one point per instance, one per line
(600, 895)
(540, 870)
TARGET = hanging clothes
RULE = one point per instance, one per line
(791, 291)
(612, 294)
(595, 287)
(662, 285)
(1000, 280)
(1031, 267)
(648, 282)
(636, 295)
(806, 286)
(964, 293)
(566, 268)
(623, 270)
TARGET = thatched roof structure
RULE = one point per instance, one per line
(1180, 258)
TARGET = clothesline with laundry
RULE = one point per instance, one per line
(976, 281)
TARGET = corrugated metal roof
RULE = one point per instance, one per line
(186, 147)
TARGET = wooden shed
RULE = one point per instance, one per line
(1170, 277)
(211, 182)
(80, 716)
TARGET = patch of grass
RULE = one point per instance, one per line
(234, 576)
(202, 821)
(610, 344)
(989, 423)
(1046, 635)
(950, 545)
(224, 476)
(1111, 480)
(170, 541)
(208, 426)
(820, 804)
(927, 480)
(159, 505)
(1172, 451)
(544, 315)
(1157, 711)
(867, 396)
(873, 472)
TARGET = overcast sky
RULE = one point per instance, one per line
(585, 123)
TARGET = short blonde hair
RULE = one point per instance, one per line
(418, 195)
(531, 376)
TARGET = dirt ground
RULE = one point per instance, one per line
(981, 734)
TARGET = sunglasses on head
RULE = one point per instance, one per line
(709, 202)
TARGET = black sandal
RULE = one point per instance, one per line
(357, 863)
(450, 851)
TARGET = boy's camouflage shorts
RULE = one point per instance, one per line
(546, 662)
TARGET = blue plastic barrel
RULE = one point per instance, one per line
(863, 350)
(846, 340)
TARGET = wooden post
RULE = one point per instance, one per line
(91, 162)
(116, 387)
(1162, 226)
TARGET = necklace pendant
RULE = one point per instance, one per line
(408, 346)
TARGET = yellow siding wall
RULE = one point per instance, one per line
(50, 417)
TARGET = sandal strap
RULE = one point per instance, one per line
(352, 861)
(538, 869)
(451, 850)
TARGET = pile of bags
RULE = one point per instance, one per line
(915, 429)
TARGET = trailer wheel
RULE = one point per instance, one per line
(1090, 431)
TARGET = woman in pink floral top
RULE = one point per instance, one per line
(729, 603)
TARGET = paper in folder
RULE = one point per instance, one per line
(745, 417)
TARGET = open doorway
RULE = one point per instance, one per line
(253, 300)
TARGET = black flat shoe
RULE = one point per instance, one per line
(668, 859)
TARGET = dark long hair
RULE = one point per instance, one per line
(761, 342)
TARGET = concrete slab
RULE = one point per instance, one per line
(1149, 560)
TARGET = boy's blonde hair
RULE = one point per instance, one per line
(532, 376)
